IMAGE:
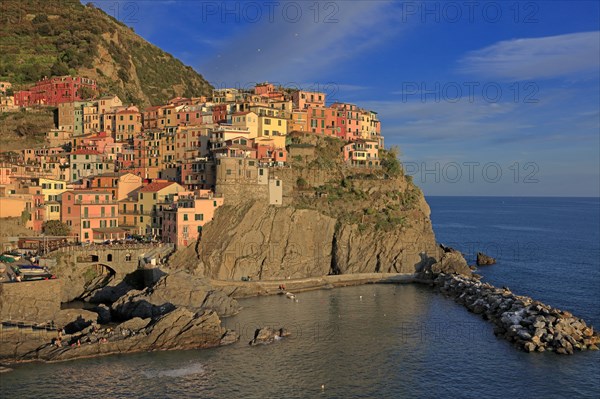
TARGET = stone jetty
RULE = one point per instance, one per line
(531, 325)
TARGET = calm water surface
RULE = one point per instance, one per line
(395, 341)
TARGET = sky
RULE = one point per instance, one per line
(482, 97)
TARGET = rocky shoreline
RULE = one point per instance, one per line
(181, 311)
(531, 325)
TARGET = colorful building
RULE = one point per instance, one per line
(184, 215)
(92, 215)
(54, 91)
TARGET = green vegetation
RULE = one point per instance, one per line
(327, 152)
(389, 161)
(25, 216)
(24, 129)
(301, 183)
(90, 274)
(59, 37)
(55, 228)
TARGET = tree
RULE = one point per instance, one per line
(86, 93)
(55, 228)
(59, 68)
(390, 162)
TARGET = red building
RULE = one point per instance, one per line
(54, 91)
(219, 113)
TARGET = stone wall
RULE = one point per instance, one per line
(30, 301)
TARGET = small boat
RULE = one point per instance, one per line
(290, 295)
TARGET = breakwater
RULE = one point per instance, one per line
(531, 325)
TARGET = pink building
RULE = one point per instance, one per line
(268, 90)
(187, 212)
(92, 215)
(270, 153)
(190, 115)
(304, 99)
(348, 119)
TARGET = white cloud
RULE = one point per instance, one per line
(302, 50)
(536, 58)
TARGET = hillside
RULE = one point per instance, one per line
(59, 37)
(19, 130)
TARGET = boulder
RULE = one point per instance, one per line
(483, 259)
(267, 335)
(452, 263)
(74, 320)
(104, 315)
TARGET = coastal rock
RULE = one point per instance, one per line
(267, 335)
(179, 289)
(251, 238)
(452, 262)
(104, 315)
(483, 259)
(531, 325)
(74, 320)
(179, 329)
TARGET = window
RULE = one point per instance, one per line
(185, 217)
(199, 217)
(277, 183)
(228, 172)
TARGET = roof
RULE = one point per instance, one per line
(156, 186)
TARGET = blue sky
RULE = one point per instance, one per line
(483, 98)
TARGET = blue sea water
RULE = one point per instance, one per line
(547, 248)
(383, 341)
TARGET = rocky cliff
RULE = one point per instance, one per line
(334, 220)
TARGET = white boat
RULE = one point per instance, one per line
(290, 295)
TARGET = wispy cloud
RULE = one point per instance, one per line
(300, 50)
(536, 58)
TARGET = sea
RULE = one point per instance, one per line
(384, 341)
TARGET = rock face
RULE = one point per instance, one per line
(267, 335)
(451, 262)
(483, 259)
(30, 301)
(179, 329)
(176, 290)
(532, 326)
(267, 242)
(177, 312)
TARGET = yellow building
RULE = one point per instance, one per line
(247, 119)
(298, 122)
(52, 210)
(91, 118)
(149, 198)
(52, 188)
